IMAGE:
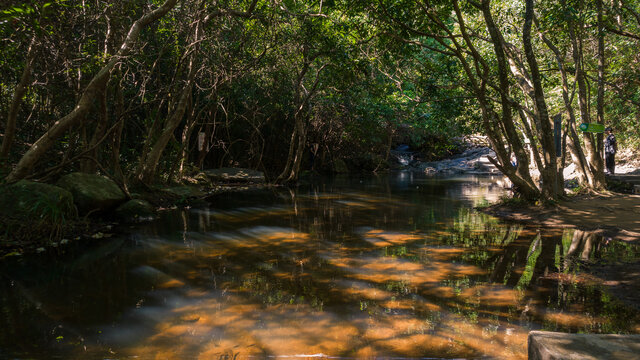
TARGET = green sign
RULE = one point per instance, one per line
(594, 128)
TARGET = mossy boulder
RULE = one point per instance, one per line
(33, 201)
(135, 210)
(92, 192)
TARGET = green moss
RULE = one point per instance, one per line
(92, 192)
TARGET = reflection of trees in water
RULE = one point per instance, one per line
(374, 269)
(584, 246)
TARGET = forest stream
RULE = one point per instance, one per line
(399, 265)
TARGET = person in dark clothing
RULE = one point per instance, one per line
(610, 150)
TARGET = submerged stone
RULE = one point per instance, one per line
(92, 192)
(29, 200)
(235, 175)
(135, 210)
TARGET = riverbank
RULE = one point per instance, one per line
(26, 229)
(608, 214)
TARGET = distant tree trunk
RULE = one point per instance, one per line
(148, 165)
(594, 159)
(186, 136)
(21, 89)
(89, 165)
(117, 136)
(601, 80)
(299, 154)
(85, 103)
(289, 162)
(586, 176)
(147, 169)
(209, 130)
(299, 135)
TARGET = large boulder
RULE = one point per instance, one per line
(135, 210)
(92, 192)
(235, 175)
(28, 200)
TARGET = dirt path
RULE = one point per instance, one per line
(612, 215)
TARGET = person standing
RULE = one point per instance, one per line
(610, 150)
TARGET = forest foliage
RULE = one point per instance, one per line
(149, 91)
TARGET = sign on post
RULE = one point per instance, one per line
(594, 128)
(201, 141)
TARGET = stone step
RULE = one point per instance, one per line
(547, 345)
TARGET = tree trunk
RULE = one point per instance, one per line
(289, 163)
(89, 166)
(299, 154)
(550, 186)
(520, 177)
(594, 159)
(296, 152)
(147, 169)
(600, 99)
(186, 136)
(209, 130)
(585, 176)
(84, 104)
(21, 89)
(117, 136)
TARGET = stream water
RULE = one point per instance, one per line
(395, 266)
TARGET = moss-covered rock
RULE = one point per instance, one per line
(92, 192)
(135, 210)
(32, 201)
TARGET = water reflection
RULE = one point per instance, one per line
(362, 268)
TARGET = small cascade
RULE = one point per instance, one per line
(403, 156)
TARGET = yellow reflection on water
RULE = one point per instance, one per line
(380, 294)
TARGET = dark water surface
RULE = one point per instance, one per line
(397, 266)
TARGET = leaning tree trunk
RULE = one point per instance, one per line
(147, 169)
(85, 103)
(550, 186)
(520, 177)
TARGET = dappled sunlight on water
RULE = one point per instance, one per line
(376, 269)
